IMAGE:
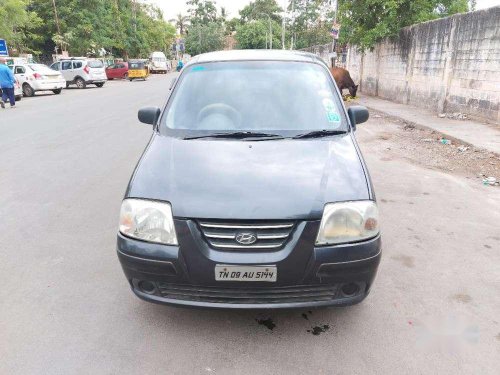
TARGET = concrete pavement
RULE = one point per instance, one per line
(66, 307)
(474, 133)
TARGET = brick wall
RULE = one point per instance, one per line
(447, 65)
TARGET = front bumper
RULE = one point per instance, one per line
(308, 276)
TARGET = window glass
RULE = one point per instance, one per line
(66, 65)
(20, 70)
(255, 96)
(95, 64)
(55, 66)
(77, 64)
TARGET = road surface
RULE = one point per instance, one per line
(66, 308)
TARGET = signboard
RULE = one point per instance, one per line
(335, 30)
(3, 48)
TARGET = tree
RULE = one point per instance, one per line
(255, 34)
(17, 24)
(202, 11)
(204, 38)
(260, 9)
(313, 20)
(365, 22)
(180, 22)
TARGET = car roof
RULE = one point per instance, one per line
(256, 55)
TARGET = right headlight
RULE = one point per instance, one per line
(148, 220)
(348, 222)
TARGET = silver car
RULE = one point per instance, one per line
(81, 72)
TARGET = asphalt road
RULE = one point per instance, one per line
(65, 306)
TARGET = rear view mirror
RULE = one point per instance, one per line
(357, 114)
(149, 115)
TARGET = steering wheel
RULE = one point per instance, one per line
(223, 111)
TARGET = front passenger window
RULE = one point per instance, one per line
(66, 65)
(19, 70)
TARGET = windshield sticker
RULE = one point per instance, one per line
(198, 69)
(331, 112)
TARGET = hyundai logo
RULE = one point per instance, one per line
(246, 238)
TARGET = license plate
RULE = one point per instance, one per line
(245, 273)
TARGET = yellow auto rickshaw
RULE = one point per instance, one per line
(138, 69)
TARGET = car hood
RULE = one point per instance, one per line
(234, 179)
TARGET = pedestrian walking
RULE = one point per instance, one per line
(7, 82)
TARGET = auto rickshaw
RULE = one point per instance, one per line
(138, 69)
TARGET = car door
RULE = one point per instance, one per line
(120, 70)
(20, 74)
(111, 71)
(67, 70)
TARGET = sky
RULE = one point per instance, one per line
(172, 7)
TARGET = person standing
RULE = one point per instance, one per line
(7, 82)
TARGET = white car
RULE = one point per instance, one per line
(159, 63)
(18, 91)
(81, 72)
(38, 77)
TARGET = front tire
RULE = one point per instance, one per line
(100, 84)
(57, 91)
(18, 98)
(28, 90)
(80, 83)
(125, 76)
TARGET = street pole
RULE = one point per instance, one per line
(270, 33)
(283, 28)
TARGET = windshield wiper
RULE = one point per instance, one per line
(319, 134)
(237, 135)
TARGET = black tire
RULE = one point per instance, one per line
(130, 79)
(18, 98)
(67, 84)
(57, 91)
(125, 76)
(100, 84)
(28, 90)
(80, 83)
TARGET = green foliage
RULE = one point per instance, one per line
(126, 28)
(261, 9)
(202, 12)
(254, 34)
(204, 38)
(313, 22)
(365, 22)
(17, 24)
(180, 23)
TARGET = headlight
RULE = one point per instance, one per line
(148, 220)
(348, 222)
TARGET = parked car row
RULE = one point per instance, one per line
(32, 77)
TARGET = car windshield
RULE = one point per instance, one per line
(255, 96)
(95, 64)
(136, 65)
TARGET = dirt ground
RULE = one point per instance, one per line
(425, 147)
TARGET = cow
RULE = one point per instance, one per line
(344, 81)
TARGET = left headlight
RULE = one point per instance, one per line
(147, 220)
(348, 222)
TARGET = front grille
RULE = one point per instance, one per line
(288, 294)
(267, 235)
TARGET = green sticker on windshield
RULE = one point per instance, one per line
(333, 117)
(331, 111)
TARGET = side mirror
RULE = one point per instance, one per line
(149, 115)
(357, 114)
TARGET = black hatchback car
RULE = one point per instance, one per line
(252, 192)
